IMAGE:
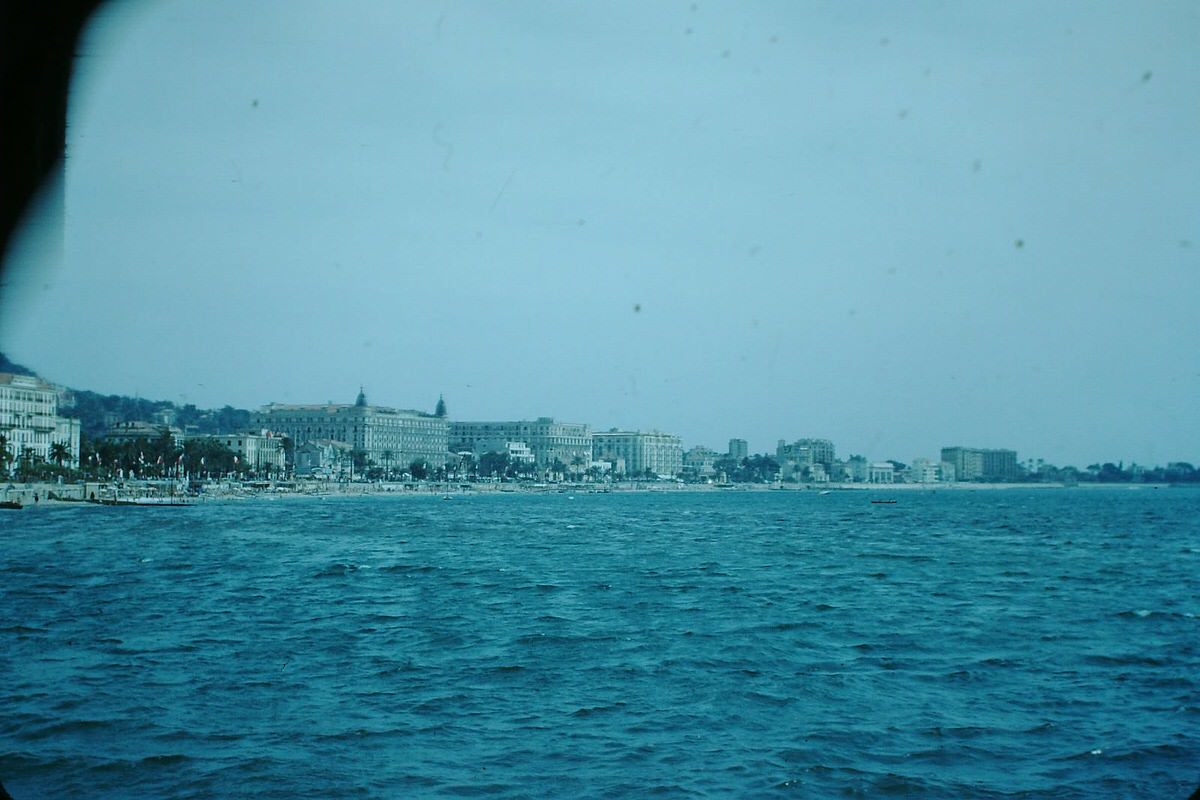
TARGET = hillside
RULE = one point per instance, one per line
(12, 367)
(96, 411)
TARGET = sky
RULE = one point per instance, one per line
(899, 226)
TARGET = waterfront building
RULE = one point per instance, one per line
(856, 469)
(262, 451)
(653, 451)
(923, 470)
(881, 472)
(67, 431)
(806, 452)
(569, 443)
(29, 420)
(978, 464)
(518, 453)
(389, 437)
(322, 458)
(125, 432)
(699, 462)
(967, 462)
(1000, 465)
(818, 474)
(739, 449)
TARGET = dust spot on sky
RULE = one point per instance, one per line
(902, 113)
(637, 308)
(884, 42)
(1146, 76)
(581, 222)
(687, 31)
(1185, 243)
(976, 165)
(1019, 243)
(891, 270)
(753, 251)
(773, 40)
(254, 103)
(726, 53)
(850, 312)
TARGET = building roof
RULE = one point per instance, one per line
(24, 381)
(338, 408)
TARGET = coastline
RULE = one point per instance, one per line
(98, 493)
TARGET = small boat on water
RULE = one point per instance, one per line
(884, 502)
(13, 504)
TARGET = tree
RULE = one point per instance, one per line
(207, 456)
(60, 452)
(727, 466)
(462, 464)
(493, 463)
(419, 469)
(289, 451)
(1181, 472)
(1111, 473)
(162, 450)
(29, 464)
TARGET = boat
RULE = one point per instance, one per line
(14, 504)
(884, 502)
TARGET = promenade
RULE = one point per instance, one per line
(44, 494)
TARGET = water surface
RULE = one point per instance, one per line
(1035, 644)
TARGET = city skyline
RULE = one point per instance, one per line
(266, 419)
(898, 229)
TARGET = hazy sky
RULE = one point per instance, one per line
(898, 226)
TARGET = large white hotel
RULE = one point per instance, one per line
(640, 452)
(29, 419)
(569, 443)
(388, 436)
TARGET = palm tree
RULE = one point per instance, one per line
(60, 452)
(5, 456)
(28, 463)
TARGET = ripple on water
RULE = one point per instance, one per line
(968, 644)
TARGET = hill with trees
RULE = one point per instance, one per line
(96, 412)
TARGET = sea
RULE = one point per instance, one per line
(952, 644)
